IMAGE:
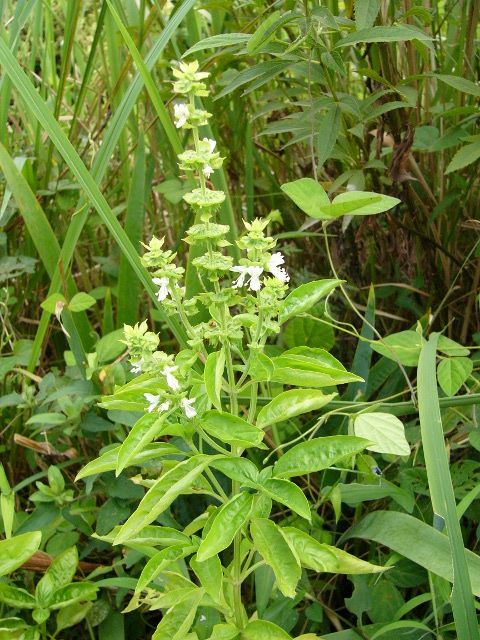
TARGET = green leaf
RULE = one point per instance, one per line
(71, 593)
(442, 492)
(210, 574)
(176, 622)
(404, 346)
(53, 302)
(452, 373)
(289, 494)
(415, 540)
(229, 519)
(384, 34)
(451, 348)
(305, 366)
(59, 574)
(72, 615)
(460, 83)
(142, 433)
(231, 429)
(213, 377)
(161, 561)
(80, 302)
(274, 549)
(366, 12)
(465, 156)
(305, 297)
(315, 455)
(109, 347)
(17, 598)
(264, 630)
(239, 469)
(108, 460)
(311, 553)
(358, 203)
(15, 551)
(160, 496)
(264, 32)
(307, 194)
(221, 40)
(327, 134)
(385, 431)
(290, 404)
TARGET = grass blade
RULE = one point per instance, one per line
(441, 490)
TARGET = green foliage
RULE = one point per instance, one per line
(321, 167)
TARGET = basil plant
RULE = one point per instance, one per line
(208, 417)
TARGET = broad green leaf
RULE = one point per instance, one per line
(71, 593)
(305, 297)
(54, 302)
(231, 429)
(460, 84)
(72, 615)
(213, 376)
(239, 469)
(404, 346)
(229, 519)
(451, 348)
(384, 34)
(110, 346)
(17, 598)
(108, 460)
(311, 553)
(366, 12)
(260, 367)
(417, 541)
(315, 455)
(274, 549)
(80, 302)
(224, 631)
(307, 194)
(264, 630)
(160, 496)
(385, 431)
(210, 574)
(465, 156)
(221, 40)
(358, 203)
(287, 493)
(290, 404)
(17, 550)
(161, 561)
(308, 367)
(354, 493)
(59, 574)
(141, 434)
(176, 622)
(452, 373)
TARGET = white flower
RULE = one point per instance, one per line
(181, 114)
(152, 400)
(211, 144)
(248, 275)
(163, 291)
(171, 380)
(136, 366)
(275, 269)
(207, 171)
(165, 406)
(187, 407)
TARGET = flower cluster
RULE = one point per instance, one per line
(258, 268)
